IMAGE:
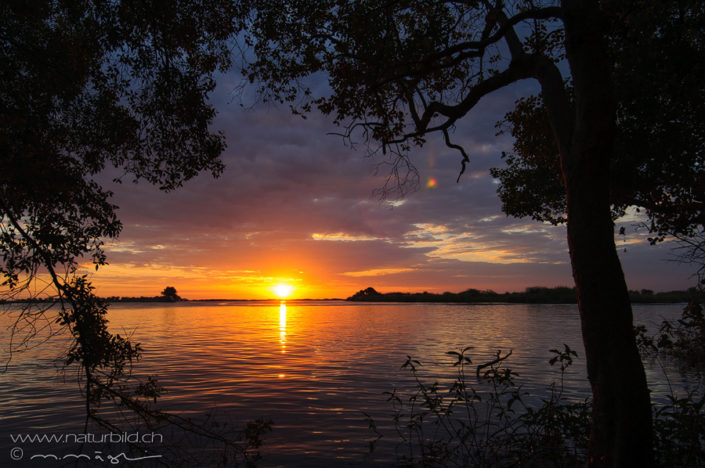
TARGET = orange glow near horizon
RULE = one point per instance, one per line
(283, 290)
(297, 278)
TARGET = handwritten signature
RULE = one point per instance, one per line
(97, 456)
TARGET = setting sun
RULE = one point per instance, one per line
(283, 290)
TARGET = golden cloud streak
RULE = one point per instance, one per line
(342, 237)
(377, 272)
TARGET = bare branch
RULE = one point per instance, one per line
(452, 145)
(520, 68)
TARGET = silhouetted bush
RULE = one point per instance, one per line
(485, 418)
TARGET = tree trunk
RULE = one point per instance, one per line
(622, 433)
(622, 428)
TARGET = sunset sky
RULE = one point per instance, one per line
(296, 206)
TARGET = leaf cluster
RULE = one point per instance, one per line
(396, 70)
(487, 419)
(88, 85)
(659, 162)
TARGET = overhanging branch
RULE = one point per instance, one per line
(520, 68)
(507, 25)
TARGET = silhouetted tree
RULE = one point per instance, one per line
(400, 70)
(170, 295)
(659, 157)
(87, 85)
(367, 294)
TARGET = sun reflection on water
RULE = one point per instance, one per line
(282, 327)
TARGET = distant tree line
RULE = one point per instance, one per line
(167, 295)
(531, 295)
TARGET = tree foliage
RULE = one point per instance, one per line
(91, 84)
(88, 86)
(659, 163)
(398, 71)
(170, 295)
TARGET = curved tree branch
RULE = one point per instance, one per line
(506, 28)
(523, 67)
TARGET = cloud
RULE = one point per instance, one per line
(295, 202)
(341, 237)
(377, 272)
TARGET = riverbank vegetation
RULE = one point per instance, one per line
(484, 416)
(531, 295)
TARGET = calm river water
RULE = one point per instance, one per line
(311, 367)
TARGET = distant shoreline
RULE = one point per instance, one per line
(532, 295)
(150, 300)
